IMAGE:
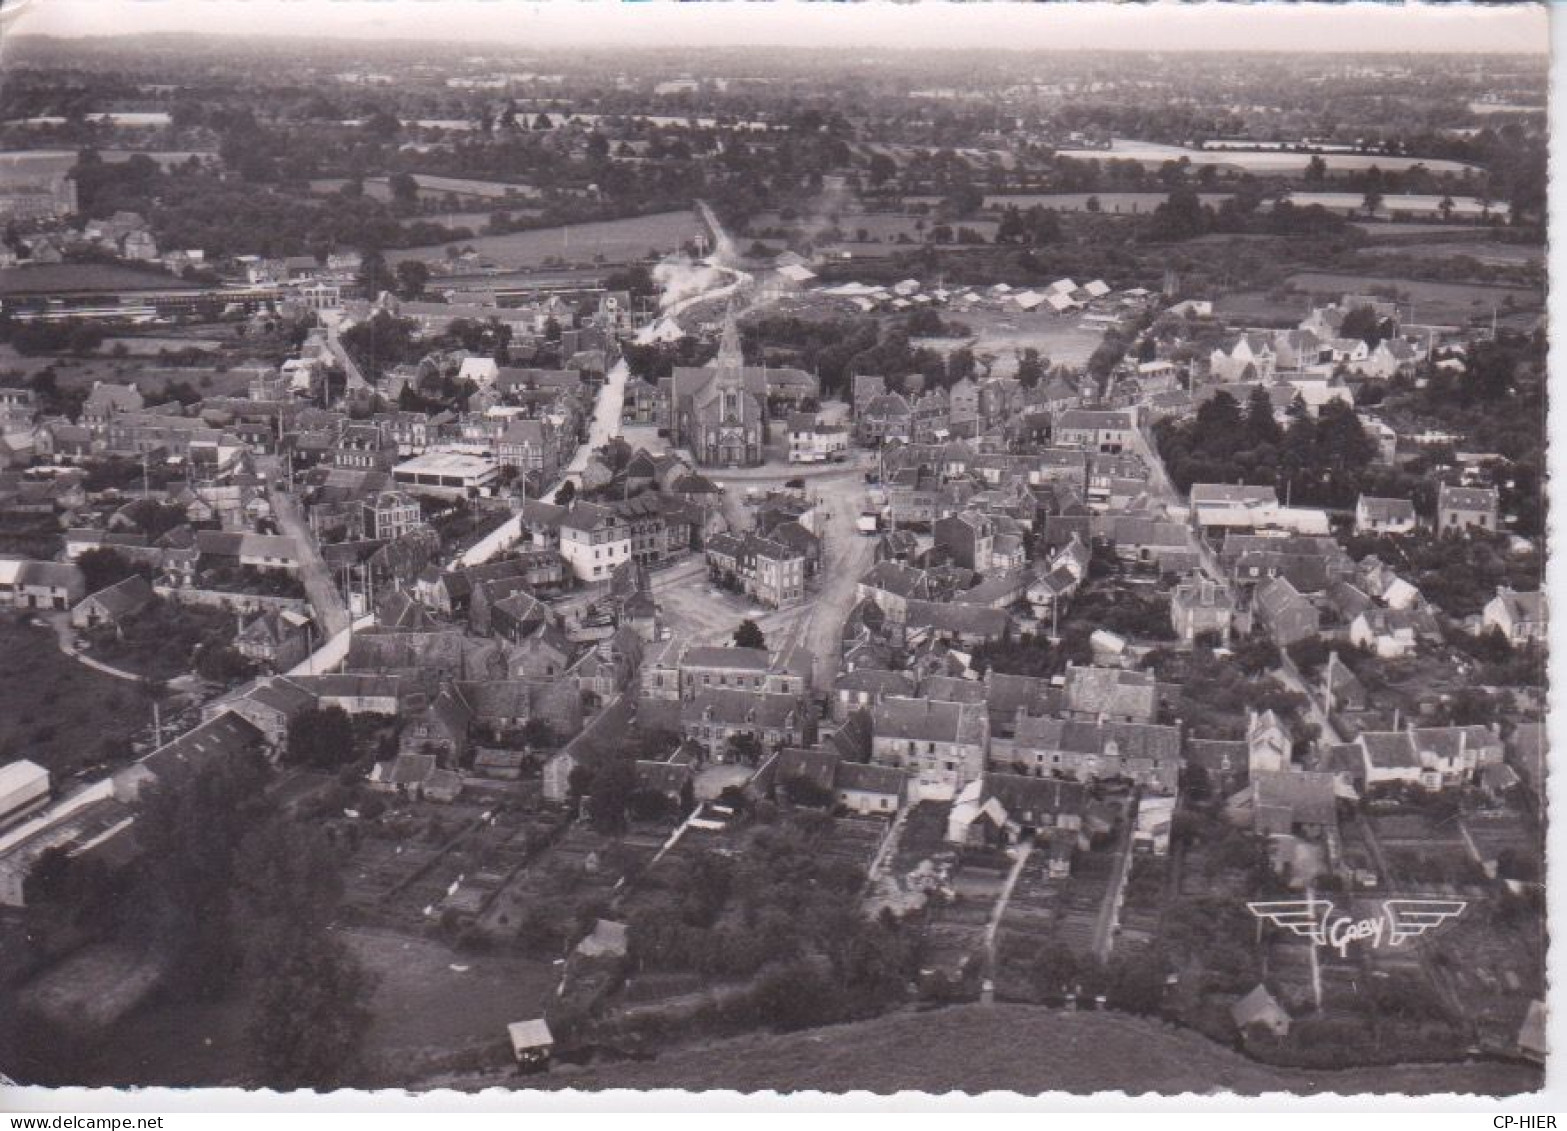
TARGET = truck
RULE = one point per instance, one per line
(869, 522)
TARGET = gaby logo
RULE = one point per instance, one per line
(1397, 921)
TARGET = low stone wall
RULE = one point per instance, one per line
(235, 602)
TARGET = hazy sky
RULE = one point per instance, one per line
(935, 23)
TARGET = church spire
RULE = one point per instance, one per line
(730, 360)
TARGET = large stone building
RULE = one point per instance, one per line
(719, 411)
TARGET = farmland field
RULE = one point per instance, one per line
(1123, 149)
(1490, 254)
(1434, 301)
(1445, 303)
(883, 226)
(1017, 1048)
(1111, 202)
(618, 241)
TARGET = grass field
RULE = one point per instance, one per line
(55, 711)
(1016, 1048)
(1061, 339)
(52, 278)
(145, 373)
(423, 1005)
(618, 241)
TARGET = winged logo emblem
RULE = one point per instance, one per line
(1411, 918)
(1398, 921)
(1305, 917)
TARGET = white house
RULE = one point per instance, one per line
(1521, 617)
(594, 540)
(482, 371)
(1375, 515)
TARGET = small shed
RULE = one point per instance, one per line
(1531, 1036)
(607, 940)
(531, 1043)
(1260, 1008)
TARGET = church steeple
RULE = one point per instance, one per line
(730, 361)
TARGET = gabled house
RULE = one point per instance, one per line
(1520, 617)
(1458, 509)
(1198, 606)
(942, 745)
(1393, 633)
(113, 604)
(1283, 612)
(1384, 516)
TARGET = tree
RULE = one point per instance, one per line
(374, 276)
(1362, 323)
(322, 737)
(1316, 169)
(882, 169)
(311, 1013)
(749, 635)
(744, 748)
(1261, 427)
(405, 190)
(609, 795)
(1030, 368)
(566, 493)
(412, 275)
(192, 823)
(104, 567)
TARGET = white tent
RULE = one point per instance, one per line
(1063, 286)
(1028, 300)
(1097, 289)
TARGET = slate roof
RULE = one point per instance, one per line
(731, 658)
(965, 620)
(1467, 498)
(817, 766)
(1111, 691)
(924, 720)
(865, 778)
(738, 707)
(124, 597)
(1307, 796)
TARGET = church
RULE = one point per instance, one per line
(719, 411)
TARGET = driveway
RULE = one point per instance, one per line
(66, 637)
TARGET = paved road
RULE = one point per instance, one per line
(1159, 480)
(604, 427)
(846, 556)
(332, 653)
(356, 378)
(331, 613)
